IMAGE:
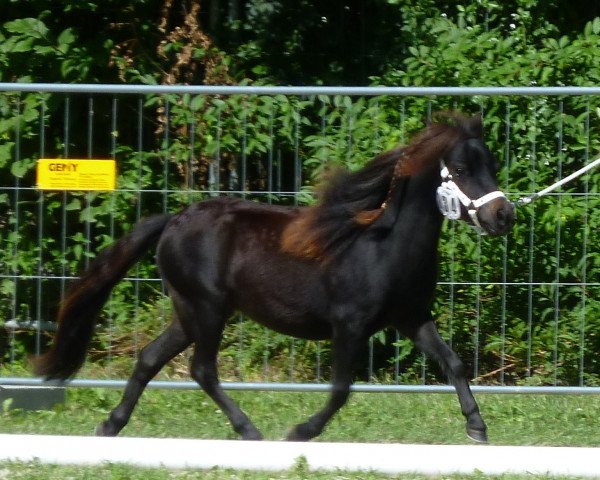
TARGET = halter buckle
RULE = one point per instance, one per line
(448, 202)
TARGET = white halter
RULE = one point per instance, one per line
(450, 197)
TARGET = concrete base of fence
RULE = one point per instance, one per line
(31, 398)
(279, 456)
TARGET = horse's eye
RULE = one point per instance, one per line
(459, 171)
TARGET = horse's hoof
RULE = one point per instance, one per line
(252, 435)
(477, 435)
(104, 430)
(299, 434)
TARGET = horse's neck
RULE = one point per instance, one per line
(409, 253)
(418, 211)
(418, 221)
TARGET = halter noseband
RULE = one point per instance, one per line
(450, 197)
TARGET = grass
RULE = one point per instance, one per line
(553, 420)
(299, 472)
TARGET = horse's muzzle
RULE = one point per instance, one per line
(497, 217)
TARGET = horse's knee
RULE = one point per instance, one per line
(147, 364)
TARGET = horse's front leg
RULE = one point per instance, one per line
(345, 346)
(428, 340)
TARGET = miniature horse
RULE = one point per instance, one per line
(362, 259)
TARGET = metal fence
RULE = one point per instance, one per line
(522, 311)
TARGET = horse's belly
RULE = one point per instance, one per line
(281, 292)
(288, 319)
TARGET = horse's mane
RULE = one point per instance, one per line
(350, 202)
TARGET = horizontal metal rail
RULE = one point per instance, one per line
(291, 90)
(273, 194)
(303, 387)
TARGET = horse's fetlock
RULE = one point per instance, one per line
(473, 414)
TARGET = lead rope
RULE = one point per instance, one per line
(541, 193)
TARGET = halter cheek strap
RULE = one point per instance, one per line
(450, 197)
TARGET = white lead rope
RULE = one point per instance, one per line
(581, 171)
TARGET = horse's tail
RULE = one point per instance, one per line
(79, 310)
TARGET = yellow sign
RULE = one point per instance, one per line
(68, 174)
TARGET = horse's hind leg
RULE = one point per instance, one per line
(152, 358)
(207, 326)
(204, 371)
(345, 347)
(428, 340)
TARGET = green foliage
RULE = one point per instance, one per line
(30, 38)
(464, 51)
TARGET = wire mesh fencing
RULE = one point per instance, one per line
(520, 310)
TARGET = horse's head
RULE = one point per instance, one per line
(469, 188)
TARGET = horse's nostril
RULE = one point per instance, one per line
(501, 215)
(504, 216)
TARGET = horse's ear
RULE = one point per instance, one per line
(474, 126)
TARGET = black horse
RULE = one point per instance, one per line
(362, 259)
